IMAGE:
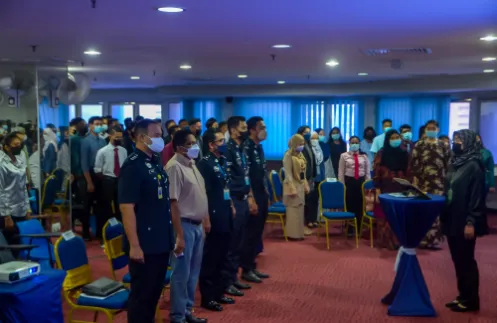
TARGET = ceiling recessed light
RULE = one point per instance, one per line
(489, 38)
(242, 76)
(135, 77)
(362, 74)
(488, 59)
(281, 82)
(282, 46)
(92, 52)
(488, 71)
(185, 67)
(171, 9)
(332, 63)
(469, 100)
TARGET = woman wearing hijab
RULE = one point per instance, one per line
(325, 148)
(487, 160)
(337, 147)
(353, 170)
(463, 219)
(390, 162)
(320, 172)
(295, 187)
(50, 149)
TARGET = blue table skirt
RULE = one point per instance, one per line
(410, 219)
(36, 300)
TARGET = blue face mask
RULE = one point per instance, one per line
(322, 138)
(104, 127)
(407, 136)
(431, 134)
(386, 129)
(335, 136)
(307, 137)
(395, 143)
(222, 149)
(5, 127)
(98, 129)
(354, 147)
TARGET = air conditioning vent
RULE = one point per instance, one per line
(385, 51)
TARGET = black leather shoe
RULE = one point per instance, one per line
(226, 300)
(453, 303)
(193, 319)
(463, 307)
(260, 275)
(212, 306)
(238, 284)
(251, 277)
(233, 291)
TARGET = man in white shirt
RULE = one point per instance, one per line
(380, 139)
(108, 164)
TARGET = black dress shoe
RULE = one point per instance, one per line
(251, 277)
(238, 284)
(260, 275)
(233, 291)
(193, 319)
(226, 300)
(453, 303)
(212, 306)
(463, 307)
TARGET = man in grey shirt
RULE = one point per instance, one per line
(90, 145)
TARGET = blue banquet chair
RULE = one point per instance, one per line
(7, 251)
(31, 232)
(71, 257)
(368, 217)
(276, 211)
(282, 174)
(54, 204)
(113, 233)
(334, 209)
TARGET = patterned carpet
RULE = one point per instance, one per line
(344, 284)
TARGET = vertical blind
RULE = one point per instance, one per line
(58, 116)
(205, 110)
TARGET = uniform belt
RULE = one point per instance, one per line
(240, 197)
(195, 222)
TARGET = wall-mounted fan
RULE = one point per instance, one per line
(48, 88)
(74, 88)
(15, 86)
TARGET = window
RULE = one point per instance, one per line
(122, 111)
(150, 111)
(344, 115)
(459, 117)
(91, 110)
(488, 123)
(72, 112)
(205, 110)
(313, 114)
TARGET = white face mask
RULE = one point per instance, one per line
(193, 151)
(262, 135)
(157, 145)
(314, 142)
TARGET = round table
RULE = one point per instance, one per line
(410, 219)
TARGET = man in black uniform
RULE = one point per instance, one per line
(238, 170)
(144, 202)
(258, 181)
(221, 211)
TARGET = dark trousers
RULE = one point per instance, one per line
(147, 282)
(109, 198)
(230, 268)
(468, 278)
(254, 231)
(216, 247)
(12, 234)
(354, 196)
(92, 202)
(311, 204)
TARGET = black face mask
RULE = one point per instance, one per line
(243, 135)
(369, 135)
(15, 150)
(83, 131)
(118, 142)
(457, 149)
(198, 132)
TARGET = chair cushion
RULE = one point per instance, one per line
(338, 215)
(370, 214)
(167, 280)
(117, 301)
(278, 204)
(276, 209)
(59, 202)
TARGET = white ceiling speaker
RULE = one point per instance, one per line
(74, 88)
(15, 86)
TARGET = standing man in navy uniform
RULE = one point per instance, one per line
(221, 212)
(144, 202)
(238, 171)
(258, 181)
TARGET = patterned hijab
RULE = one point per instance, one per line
(470, 149)
(298, 159)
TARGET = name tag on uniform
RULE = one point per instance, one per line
(247, 180)
(159, 193)
(226, 194)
